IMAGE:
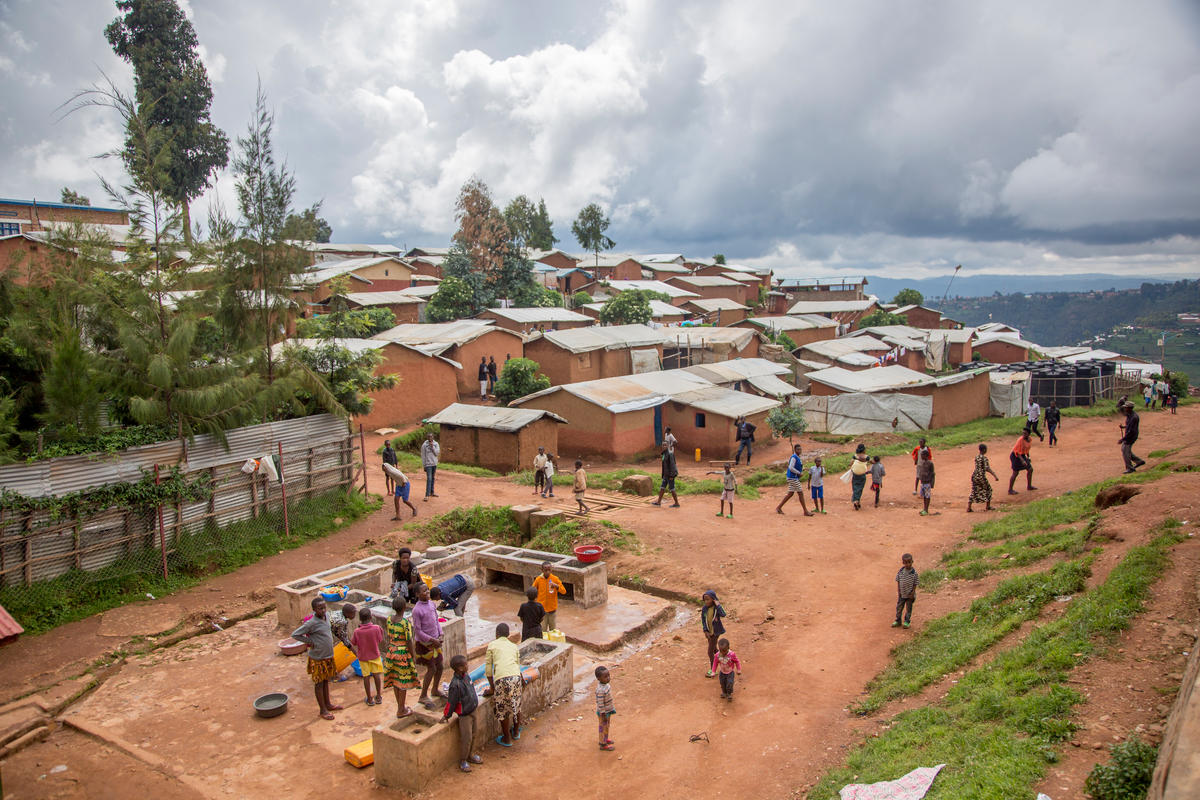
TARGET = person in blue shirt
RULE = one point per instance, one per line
(456, 591)
(795, 476)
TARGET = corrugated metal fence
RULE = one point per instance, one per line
(318, 455)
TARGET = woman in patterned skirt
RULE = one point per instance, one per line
(981, 487)
(399, 672)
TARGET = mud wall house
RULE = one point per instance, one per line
(604, 290)
(753, 375)
(558, 259)
(956, 399)
(719, 311)
(706, 419)
(909, 347)
(999, 348)
(711, 287)
(655, 271)
(584, 354)
(426, 384)
(500, 439)
(826, 289)
(462, 341)
(566, 280)
(24, 216)
(958, 344)
(313, 284)
(684, 346)
(845, 312)
(660, 312)
(610, 267)
(801, 329)
(852, 353)
(28, 259)
(406, 308)
(918, 316)
(521, 320)
(339, 251)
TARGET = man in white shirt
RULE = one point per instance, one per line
(669, 440)
(1033, 416)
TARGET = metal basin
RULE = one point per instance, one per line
(271, 705)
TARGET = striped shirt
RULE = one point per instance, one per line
(906, 582)
(604, 701)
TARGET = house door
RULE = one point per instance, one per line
(658, 433)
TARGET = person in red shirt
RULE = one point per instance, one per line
(1019, 458)
(367, 638)
(916, 451)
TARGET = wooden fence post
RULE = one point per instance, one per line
(283, 491)
(362, 446)
(162, 536)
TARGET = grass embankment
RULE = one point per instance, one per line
(611, 481)
(997, 728)
(495, 524)
(212, 551)
(408, 458)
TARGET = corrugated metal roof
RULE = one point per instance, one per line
(607, 337)
(741, 277)
(725, 402)
(341, 247)
(660, 257)
(830, 306)
(770, 384)
(673, 292)
(737, 369)
(1006, 338)
(9, 627)
(877, 379)
(799, 322)
(710, 281)
(739, 338)
(837, 348)
(420, 291)
(552, 314)
(494, 418)
(665, 266)
(708, 304)
(446, 334)
(383, 298)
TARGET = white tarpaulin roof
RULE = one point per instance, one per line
(679, 336)
(830, 306)
(857, 413)
(547, 314)
(440, 334)
(792, 322)
(725, 402)
(606, 337)
(876, 379)
(658, 309)
(669, 290)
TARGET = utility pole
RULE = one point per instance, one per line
(948, 285)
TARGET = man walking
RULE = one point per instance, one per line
(1053, 418)
(1021, 462)
(1128, 437)
(493, 374)
(389, 457)
(430, 451)
(1033, 415)
(669, 473)
(745, 439)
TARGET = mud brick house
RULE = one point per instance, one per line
(719, 311)
(605, 290)
(25, 216)
(463, 341)
(919, 316)
(660, 312)
(687, 345)
(950, 400)
(625, 417)
(500, 439)
(404, 307)
(428, 382)
(712, 287)
(845, 312)
(801, 329)
(1002, 348)
(524, 320)
(661, 271)
(850, 352)
(609, 267)
(583, 354)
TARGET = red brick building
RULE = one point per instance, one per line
(497, 438)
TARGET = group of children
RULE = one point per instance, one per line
(544, 468)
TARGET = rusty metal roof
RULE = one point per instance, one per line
(506, 420)
(606, 337)
(9, 627)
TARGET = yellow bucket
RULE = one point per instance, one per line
(342, 657)
(554, 636)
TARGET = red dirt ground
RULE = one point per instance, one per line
(810, 601)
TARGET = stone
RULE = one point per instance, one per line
(539, 518)
(641, 485)
(520, 515)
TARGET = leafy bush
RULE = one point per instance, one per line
(628, 308)
(519, 378)
(493, 523)
(1179, 383)
(1127, 774)
(580, 298)
(879, 318)
(452, 300)
(786, 421)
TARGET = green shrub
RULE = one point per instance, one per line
(493, 523)
(519, 378)
(1127, 774)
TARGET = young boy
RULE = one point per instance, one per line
(549, 586)
(925, 478)
(315, 633)
(728, 489)
(816, 485)
(463, 701)
(877, 473)
(531, 613)
(604, 706)
(724, 663)
(580, 487)
(906, 590)
(548, 476)
(367, 638)
(400, 493)
(539, 472)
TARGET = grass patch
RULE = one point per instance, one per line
(1164, 453)
(951, 641)
(211, 551)
(562, 535)
(998, 727)
(411, 464)
(611, 482)
(411, 442)
(495, 524)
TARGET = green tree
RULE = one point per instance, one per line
(349, 375)
(518, 217)
(541, 229)
(452, 300)
(537, 296)
(589, 229)
(786, 421)
(72, 198)
(880, 317)
(627, 308)
(72, 390)
(173, 93)
(519, 378)
(580, 298)
(307, 226)
(8, 430)
(719, 258)
(343, 323)
(908, 297)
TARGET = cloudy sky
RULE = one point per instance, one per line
(815, 137)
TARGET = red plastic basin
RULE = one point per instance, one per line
(588, 553)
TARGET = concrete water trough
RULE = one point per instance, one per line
(516, 567)
(293, 600)
(454, 629)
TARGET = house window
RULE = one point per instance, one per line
(585, 361)
(700, 420)
(9, 228)
(385, 273)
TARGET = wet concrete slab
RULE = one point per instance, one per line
(626, 615)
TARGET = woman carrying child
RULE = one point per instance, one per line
(399, 673)
(860, 467)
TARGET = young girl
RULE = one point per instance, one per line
(398, 670)
(724, 663)
(710, 622)
(728, 489)
(981, 489)
(877, 473)
(548, 472)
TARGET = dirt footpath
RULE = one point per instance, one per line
(810, 601)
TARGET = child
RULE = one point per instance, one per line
(400, 493)
(604, 706)
(906, 590)
(428, 641)
(816, 485)
(531, 613)
(315, 633)
(728, 489)
(925, 477)
(463, 701)
(724, 663)
(548, 473)
(399, 674)
(877, 473)
(1174, 399)
(710, 622)
(580, 487)
(539, 471)
(367, 638)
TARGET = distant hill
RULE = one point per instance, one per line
(985, 285)
(1066, 318)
